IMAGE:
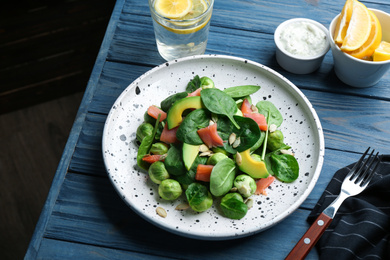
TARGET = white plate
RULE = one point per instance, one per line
(301, 127)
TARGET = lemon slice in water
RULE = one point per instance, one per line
(198, 8)
(173, 9)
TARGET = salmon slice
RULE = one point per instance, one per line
(169, 136)
(209, 136)
(263, 184)
(154, 111)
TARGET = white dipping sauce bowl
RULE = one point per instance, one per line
(356, 72)
(294, 63)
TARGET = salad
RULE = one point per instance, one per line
(214, 145)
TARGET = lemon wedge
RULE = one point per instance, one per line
(366, 51)
(343, 22)
(173, 9)
(198, 8)
(382, 53)
(359, 28)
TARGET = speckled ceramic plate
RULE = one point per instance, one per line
(301, 127)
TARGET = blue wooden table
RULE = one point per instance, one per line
(84, 218)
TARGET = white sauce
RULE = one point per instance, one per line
(303, 39)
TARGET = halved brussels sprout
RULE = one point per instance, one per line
(169, 189)
(157, 172)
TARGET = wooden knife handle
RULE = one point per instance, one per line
(310, 238)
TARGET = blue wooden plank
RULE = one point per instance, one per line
(59, 250)
(88, 211)
(87, 157)
(252, 45)
(260, 16)
(115, 77)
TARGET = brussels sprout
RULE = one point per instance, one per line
(219, 150)
(245, 185)
(234, 195)
(169, 189)
(143, 130)
(159, 148)
(215, 158)
(275, 140)
(256, 157)
(206, 82)
(157, 172)
(233, 207)
(199, 197)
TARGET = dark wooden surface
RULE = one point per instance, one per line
(32, 141)
(47, 52)
(48, 48)
(83, 216)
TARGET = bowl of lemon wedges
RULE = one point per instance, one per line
(360, 42)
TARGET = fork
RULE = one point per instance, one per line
(354, 183)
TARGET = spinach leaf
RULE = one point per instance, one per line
(168, 102)
(174, 161)
(189, 176)
(241, 91)
(222, 177)
(234, 208)
(194, 84)
(259, 142)
(249, 132)
(218, 102)
(145, 146)
(199, 197)
(284, 167)
(187, 131)
(269, 110)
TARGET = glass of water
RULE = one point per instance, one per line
(182, 36)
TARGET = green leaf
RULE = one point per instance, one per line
(174, 161)
(145, 146)
(194, 84)
(234, 208)
(187, 131)
(222, 177)
(218, 102)
(249, 132)
(269, 110)
(241, 91)
(285, 167)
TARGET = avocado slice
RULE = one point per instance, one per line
(255, 169)
(189, 154)
(174, 116)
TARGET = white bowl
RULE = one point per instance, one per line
(356, 72)
(294, 63)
